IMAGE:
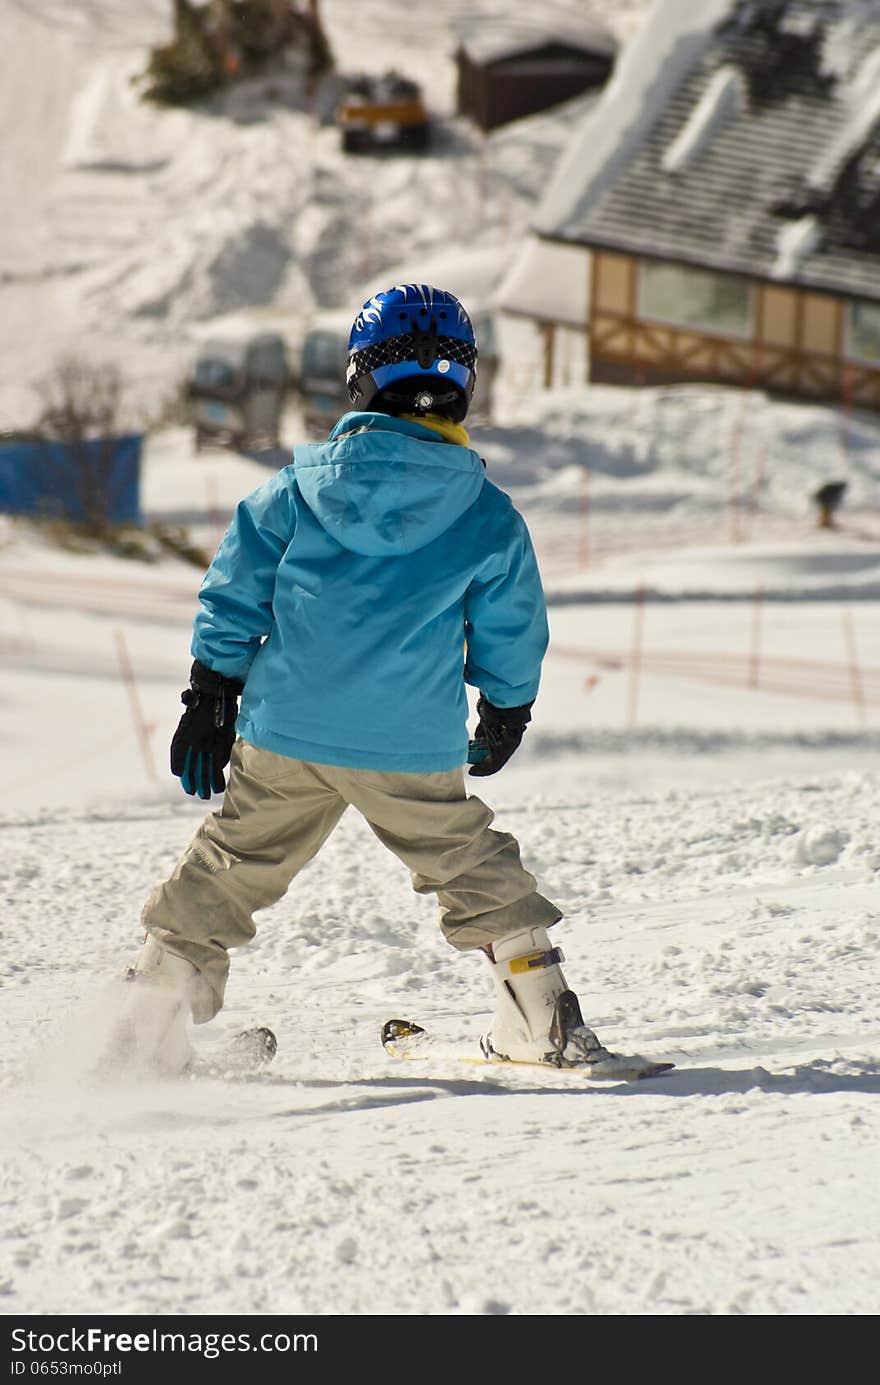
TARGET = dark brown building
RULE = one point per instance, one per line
(510, 68)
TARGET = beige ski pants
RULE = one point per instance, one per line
(277, 813)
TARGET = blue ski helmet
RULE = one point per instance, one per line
(412, 349)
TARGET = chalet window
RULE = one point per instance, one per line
(863, 331)
(698, 298)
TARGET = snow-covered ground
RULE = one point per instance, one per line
(699, 791)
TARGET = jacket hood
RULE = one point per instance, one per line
(384, 486)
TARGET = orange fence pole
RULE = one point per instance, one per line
(584, 531)
(635, 667)
(855, 673)
(733, 473)
(142, 729)
(755, 654)
(844, 418)
(757, 483)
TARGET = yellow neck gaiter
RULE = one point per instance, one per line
(449, 431)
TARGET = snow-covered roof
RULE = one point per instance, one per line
(724, 99)
(493, 34)
(795, 241)
(673, 36)
(547, 281)
(737, 136)
(861, 102)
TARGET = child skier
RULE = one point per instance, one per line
(352, 598)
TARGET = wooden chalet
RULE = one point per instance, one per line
(732, 232)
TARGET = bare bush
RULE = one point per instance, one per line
(79, 427)
(80, 400)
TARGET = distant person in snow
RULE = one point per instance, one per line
(828, 499)
(353, 597)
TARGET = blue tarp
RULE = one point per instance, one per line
(97, 479)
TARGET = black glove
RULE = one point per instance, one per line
(203, 741)
(498, 734)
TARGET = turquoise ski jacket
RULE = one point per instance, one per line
(361, 588)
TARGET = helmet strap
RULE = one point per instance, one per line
(426, 346)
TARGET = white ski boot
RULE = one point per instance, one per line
(537, 1018)
(152, 1033)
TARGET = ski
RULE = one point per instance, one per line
(407, 1040)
